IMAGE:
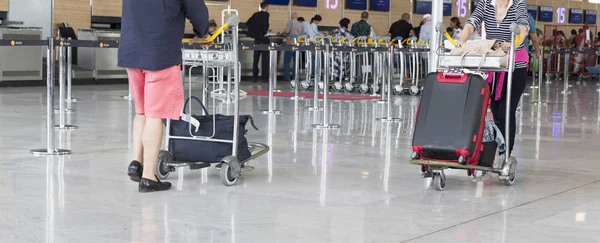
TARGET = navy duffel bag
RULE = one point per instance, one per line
(215, 126)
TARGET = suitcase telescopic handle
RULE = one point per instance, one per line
(457, 78)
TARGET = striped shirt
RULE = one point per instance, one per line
(485, 13)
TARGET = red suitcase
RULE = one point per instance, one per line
(450, 119)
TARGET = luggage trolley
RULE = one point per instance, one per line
(446, 63)
(214, 56)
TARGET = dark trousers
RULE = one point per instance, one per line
(498, 107)
(265, 61)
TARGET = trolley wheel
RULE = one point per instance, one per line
(321, 86)
(227, 175)
(439, 181)
(363, 88)
(304, 85)
(374, 89)
(162, 169)
(423, 168)
(398, 89)
(338, 86)
(293, 84)
(414, 90)
(470, 172)
(512, 173)
(349, 87)
(462, 160)
(230, 171)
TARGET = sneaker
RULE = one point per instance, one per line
(134, 171)
(147, 185)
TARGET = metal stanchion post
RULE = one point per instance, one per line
(386, 81)
(549, 67)
(326, 124)
(533, 79)
(317, 72)
(272, 82)
(566, 75)
(70, 98)
(62, 116)
(389, 117)
(50, 150)
(297, 76)
(540, 72)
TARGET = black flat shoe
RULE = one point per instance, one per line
(147, 185)
(134, 171)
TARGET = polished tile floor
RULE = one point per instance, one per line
(348, 185)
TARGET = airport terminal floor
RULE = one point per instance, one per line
(354, 184)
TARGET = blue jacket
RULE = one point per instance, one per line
(152, 31)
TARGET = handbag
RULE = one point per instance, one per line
(483, 48)
(216, 126)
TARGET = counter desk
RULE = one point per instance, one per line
(20, 63)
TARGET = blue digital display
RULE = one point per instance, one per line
(380, 5)
(447, 8)
(424, 7)
(357, 4)
(546, 14)
(590, 16)
(306, 3)
(532, 10)
(576, 16)
(278, 2)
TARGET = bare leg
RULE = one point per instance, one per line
(138, 129)
(151, 139)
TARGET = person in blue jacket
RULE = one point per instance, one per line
(150, 50)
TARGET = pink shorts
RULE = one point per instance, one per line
(157, 94)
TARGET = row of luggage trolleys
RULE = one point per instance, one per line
(214, 56)
(449, 133)
(363, 70)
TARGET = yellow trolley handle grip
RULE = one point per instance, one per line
(517, 39)
(449, 38)
(216, 34)
(212, 37)
(354, 40)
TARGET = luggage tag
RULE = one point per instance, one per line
(189, 119)
(482, 74)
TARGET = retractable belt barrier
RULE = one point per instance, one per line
(23, 43)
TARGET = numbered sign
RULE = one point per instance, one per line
(560, 15)
(461, 7)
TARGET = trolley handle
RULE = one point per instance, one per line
(233, 20)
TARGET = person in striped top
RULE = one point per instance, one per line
(496, 16)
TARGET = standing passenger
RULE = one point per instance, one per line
(293, 28)
(402, 28)
(456, 27)
(341, 58)
(150, 50)
(258, 27)
(426, 29)
(487, 13)
(361, 28)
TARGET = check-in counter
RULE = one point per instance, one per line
(102, 61)
(21, 62)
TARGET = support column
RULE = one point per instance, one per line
(437, 12)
